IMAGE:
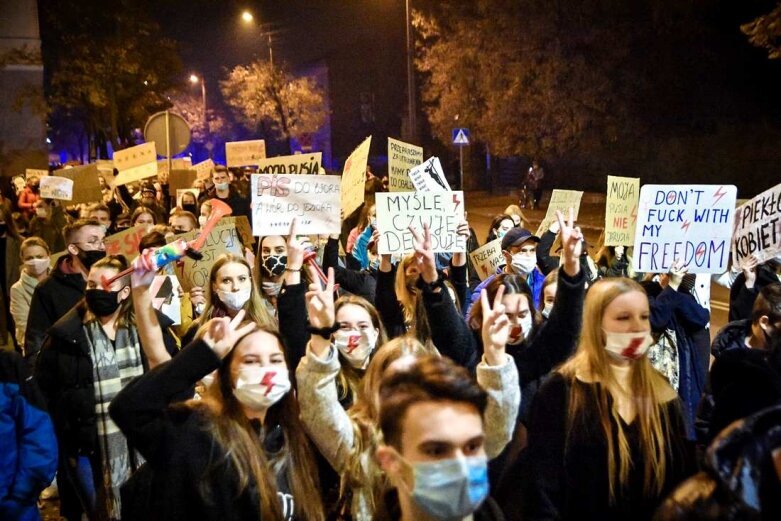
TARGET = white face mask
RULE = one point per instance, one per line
(258, 388)
(546, 310)
(234, 300)
(40, 212)
(271, 288)
(523, 263)
(628, 346)
(202, 220)
(356, 347)
(36, 266)
(520, 332)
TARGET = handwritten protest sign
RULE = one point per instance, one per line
(621, 210)
(429, 176)
(487, 258)
(298, 164)
(442, 211)
(687, 223)
(125, 242)
(401, 158)
(204, 169)
(224, 238)
(35, 172)
(179, 179)
(53, 187)
(135, 163)
(245, 153)
(561, 200)
(242, 225)
(354, 177)
(165, 297)
(86, 186)
(312, 200)
(758, 227)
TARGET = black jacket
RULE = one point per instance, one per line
(52, 298)
(190, 475)
(358, 282)
(63, 371)
(741, 298)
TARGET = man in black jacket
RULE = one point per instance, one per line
(227, 193)
(64, 287)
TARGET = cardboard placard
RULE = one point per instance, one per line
(442, 211)
(224, 238)
(354, 177)
(429, 176)
(53, 187)
(758, 227)
(561, 200)
(487, 258)
(312, 200)
(621, 210)
(297, 164)
(179, 179)
(204, 169)
(245, 153)
(687, 223)
(135, 163)
(165, 297)
(245, 230)
(86, 185)
(125, 242)
(35, 172)
(401, 158)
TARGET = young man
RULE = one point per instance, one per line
(227, 193)
(64, 287)
(183, 222)
(102, 214)
(431, 417)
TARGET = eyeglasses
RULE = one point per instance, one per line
(95, 243)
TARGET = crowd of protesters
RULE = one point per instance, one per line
(394, 387)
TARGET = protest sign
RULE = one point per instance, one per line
(561, 200)
(298, 164)
(242, 225)
(621, 210)
(354, 177)
(487, 258)
(224, 238)
(165, 297)
(86, 185)
(401, 158)
(429, 176)
(35, 172)
(687, 223)
(126, 242)
(245, 153)
(53, 187)
(135, 163)
(179, 179)
(312, 200)
(758, 227)
(442, 211)
(204, 169)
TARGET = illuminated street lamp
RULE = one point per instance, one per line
(195, 80)
(247, 18)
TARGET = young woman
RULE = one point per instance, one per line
(36, 265)
(612, 261)
(348, 440)
(189, 203)
(517, 215)
(89, 355)
(143, 216)
(606, 437)
(549, 287)
(366, 217)
(500, 225)
(271, 268)
(238, 453)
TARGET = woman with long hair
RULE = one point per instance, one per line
(34, 254)
(607, 438)
(143, 216)
(240, 451)
(500, 225)
(349, 439)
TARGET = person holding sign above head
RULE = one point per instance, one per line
(749, 283)
(48, 223)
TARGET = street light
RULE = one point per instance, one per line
(247, 18)
(195, 80)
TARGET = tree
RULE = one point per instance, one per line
(765, 31)
(270, 101)
(111, 67)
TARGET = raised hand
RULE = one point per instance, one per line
(749, 267)
(222, 333)
(320, 301)
(571, 243)
(296, 248)
(676, 273)
(459, 258)
(424, 256)
(496, 327)
(142, 278)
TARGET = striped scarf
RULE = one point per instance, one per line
(113, 366)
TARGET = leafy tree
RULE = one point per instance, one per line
(765, 31)
(270, 101)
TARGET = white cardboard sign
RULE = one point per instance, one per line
(758, 227)
(53, 187)
(429, 176)
(312, 199)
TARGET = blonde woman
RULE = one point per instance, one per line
(607, 438)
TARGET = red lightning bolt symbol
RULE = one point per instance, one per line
(634, 214)
(455, 200)
(700, 250)
(631, 350)
(685, 225)
(352, 343)
(718, 195)
(268, 382)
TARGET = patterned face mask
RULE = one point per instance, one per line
(274, 265)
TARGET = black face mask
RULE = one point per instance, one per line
(192, 208)
(274, 265)
(102, 303)
(3, 228)
(90, 257)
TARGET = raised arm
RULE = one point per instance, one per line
(148, 326)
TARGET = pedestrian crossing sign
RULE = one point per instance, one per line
(461, 136)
